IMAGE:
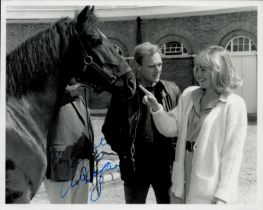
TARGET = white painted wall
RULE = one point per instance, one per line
(246, 63)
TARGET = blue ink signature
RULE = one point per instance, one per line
(84, 177)
(107, 167)
(100, 155)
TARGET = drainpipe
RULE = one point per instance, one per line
(139, 33)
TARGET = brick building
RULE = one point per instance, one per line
(180, 36)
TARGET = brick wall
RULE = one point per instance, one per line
(99, 101)
(124, 31)
(18, 32)
(199, 31)
(178, 70)
(195, 32)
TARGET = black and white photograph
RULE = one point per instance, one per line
(129, 102)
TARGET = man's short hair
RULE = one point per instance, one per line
(145, 49)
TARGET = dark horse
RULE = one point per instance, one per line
(37, 73)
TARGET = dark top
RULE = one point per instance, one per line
(145, 155)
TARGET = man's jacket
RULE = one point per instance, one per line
(70, 138)
(122, 119)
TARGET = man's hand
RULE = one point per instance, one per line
(150, 100)
(174, 199)
(217, 201)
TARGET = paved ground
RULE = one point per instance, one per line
(112, 189)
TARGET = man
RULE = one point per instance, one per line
(145, 155)
(70, 149)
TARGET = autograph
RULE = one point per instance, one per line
(84, 177)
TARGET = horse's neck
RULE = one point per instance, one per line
(38, 107)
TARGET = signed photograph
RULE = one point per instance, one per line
(131, 103)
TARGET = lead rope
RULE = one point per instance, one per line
(93, 156)
(96, 173)
(97, 168)
(135, 134)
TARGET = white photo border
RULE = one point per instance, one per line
(258, 4)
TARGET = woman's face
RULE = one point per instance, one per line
(203, 77)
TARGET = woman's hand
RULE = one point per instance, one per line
(149, 99)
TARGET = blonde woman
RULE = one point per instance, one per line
(210, 122)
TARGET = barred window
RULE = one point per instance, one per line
(174, 48)
(119, 50)
(240, 44)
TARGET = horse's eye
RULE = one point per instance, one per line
(98, 42)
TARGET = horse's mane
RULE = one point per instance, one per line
(29, 65)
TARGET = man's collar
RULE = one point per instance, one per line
(157, 84)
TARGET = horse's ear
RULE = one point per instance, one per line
(83, 15)
(92, 10)
(86, 15)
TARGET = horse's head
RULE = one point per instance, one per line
(102, 67)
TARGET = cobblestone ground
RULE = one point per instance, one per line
(112, 192)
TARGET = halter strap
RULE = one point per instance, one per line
(88, 61)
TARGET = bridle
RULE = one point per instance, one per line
(89, 62)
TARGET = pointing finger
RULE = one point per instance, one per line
(145, 91)
(145, 100)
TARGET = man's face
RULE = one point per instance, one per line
(151, 68)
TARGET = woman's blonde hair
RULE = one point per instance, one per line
(217, 60)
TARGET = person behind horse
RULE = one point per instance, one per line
(146, 156)
(70, 149)
(210, 122)
(34, 88)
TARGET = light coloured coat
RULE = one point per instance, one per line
(217, 152)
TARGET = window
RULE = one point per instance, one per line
(119, 50)
(240, 44)
(174, 48)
